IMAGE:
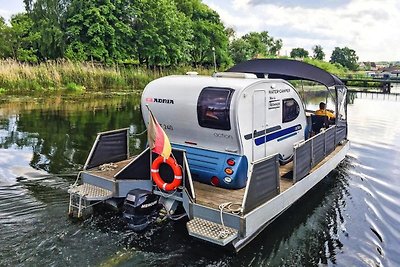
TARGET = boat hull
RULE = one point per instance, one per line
(257, 220)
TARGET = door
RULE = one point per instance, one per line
(259, 124)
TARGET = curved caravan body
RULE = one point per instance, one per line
(229, 116)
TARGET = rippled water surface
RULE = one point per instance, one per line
(352, 218)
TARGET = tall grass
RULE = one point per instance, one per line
(65, 75)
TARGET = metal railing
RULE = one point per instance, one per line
(263, 183)
(309, 153)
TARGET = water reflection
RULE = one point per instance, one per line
(60, 133)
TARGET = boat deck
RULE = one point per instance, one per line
(108, 173)
(211, 196)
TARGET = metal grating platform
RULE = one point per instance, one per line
(210, 231)
(91, 192)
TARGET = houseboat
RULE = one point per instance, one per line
(244, 149)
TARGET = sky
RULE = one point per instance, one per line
(10, 7)
(370, 27)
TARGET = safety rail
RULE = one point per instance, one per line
(111, 146)
(309, 153)
(263, 183)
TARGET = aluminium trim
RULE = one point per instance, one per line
(246, 191)
(186, 164)
(113, 131)
(295, 147)
(127, 144)
(91, 151)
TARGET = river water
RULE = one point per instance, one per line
(351, 218)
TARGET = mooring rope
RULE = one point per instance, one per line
(108, 167)
(224, 233)
(138, 134)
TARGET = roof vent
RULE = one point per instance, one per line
(235, 75)
(192, 73)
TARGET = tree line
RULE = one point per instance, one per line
(147, 32)
(344, 56)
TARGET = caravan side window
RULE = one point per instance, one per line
(290, 110)
(213, 108)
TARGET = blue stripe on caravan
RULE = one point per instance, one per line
(276, 135)
(287, 136)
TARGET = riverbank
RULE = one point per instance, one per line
(70, 77)
(67, 77)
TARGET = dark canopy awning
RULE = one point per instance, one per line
(287, 69)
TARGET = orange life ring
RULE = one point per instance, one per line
(155, 173)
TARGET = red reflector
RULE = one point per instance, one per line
(231, 162)
(228, 171)
(214, 181)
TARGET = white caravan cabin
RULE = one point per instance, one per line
(227, 121)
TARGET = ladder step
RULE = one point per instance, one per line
(210, 231)
(91, 192)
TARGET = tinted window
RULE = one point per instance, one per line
(213, 108)
(290, 110)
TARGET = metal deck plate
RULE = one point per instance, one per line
(210, 231)
(91, 192)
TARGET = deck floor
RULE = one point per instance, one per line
(109, 174)
(212, 196)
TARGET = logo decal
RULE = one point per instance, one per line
(159, 100)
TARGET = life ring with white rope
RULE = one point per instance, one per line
(155, 173)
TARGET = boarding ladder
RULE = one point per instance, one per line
(212, 232)
(85, 196)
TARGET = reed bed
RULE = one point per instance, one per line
(66, 75)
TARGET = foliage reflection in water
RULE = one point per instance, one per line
(350, 218)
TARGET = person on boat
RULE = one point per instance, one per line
(325, 112)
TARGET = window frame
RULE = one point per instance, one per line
(226, 122)
(284, 120)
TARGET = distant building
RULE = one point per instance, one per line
(392, 72)
(367, 65)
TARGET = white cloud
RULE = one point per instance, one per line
(10, 7)
(369, 27)
(6, 14)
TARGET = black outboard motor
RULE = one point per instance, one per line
(140, 209)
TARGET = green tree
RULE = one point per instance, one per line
(318, 52)
(23, 38)
(207, 32)
(162, 33)
(272, 46)
(99, 30)
(49, 22)
(346, 57)
(5, 40)
(275, 47)
(257, 46)
(298, 53)
(262, 44)
(240, 50)
(28, 5)
(254, 44)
